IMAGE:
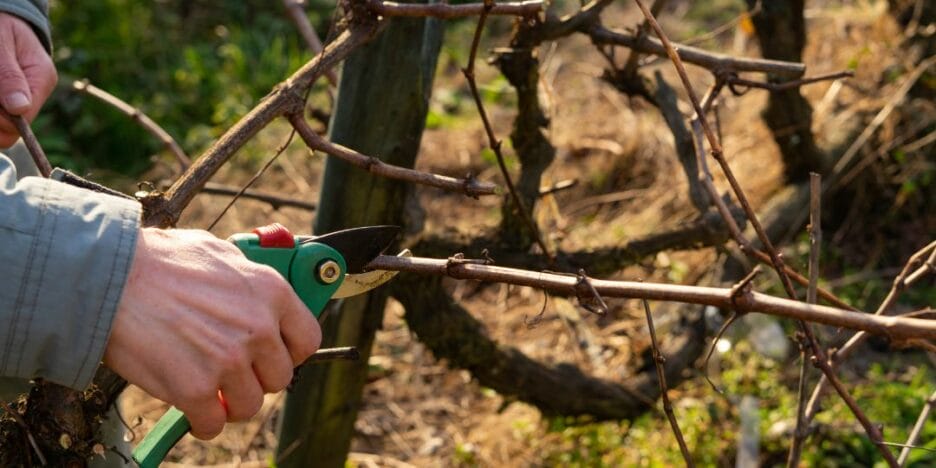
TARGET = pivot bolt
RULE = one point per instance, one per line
(329, 271)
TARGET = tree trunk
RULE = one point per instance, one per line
(781, 31)
(381, 111)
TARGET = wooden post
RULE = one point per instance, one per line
(381, 110)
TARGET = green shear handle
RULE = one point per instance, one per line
(314, 270)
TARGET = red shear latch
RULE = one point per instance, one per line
(275, 235)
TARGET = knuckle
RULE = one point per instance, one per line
(272, 281)
(7, 140)
(207, 429)
(10, 73)
(196, 391)
(265, 331)
(245, 409)
(232, 359)
(280, 381)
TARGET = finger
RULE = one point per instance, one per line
(274, 370)
(41, 77)
(14, 89)
(243, 395)
(300, 330)
(206, 416)
(6, 138)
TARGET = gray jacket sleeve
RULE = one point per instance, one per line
(65, 254)
(35, 12)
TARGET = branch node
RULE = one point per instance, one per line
(737, 89)
(294, 102)
(588, 296)
(470, 184)
(743, 288)
(486, 254)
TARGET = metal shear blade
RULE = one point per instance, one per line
(358, 246)
(360, 283)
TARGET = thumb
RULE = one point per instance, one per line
(14, 89)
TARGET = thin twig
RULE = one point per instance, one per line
(275, 201)
(815, 242)
(708, 182)
(446, 11)
(741, 287)
(135, 114)
(298, 16)
(852, 151)
(917, 430)
(910, 447)
(659, 360)
(785, 85)
(709, 60)
(32, 144)
(708, 356)
(253, 179)
(285, 98)
(819, 356)
(469, 186)
(633, 60)
(928, 267)
(901, 282)
(494, 143)
(346, 353)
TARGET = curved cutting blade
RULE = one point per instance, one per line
(358, 246)
(360, 283)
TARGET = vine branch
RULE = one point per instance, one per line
(470, 186)
(29, 139)
(660, 361)
(445, 11)
(745, 301)
(135, 114)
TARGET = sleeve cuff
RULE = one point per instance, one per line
(34, 15)
(77, 254)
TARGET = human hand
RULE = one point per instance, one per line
(197, 317)
(27, 75)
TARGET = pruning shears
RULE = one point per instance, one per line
(320, 268)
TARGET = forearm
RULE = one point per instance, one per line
(64, 257)
(36, 12)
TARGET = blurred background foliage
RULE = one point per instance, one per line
(192, 66)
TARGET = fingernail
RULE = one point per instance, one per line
(16, 101)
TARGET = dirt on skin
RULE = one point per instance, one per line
(419, 412)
